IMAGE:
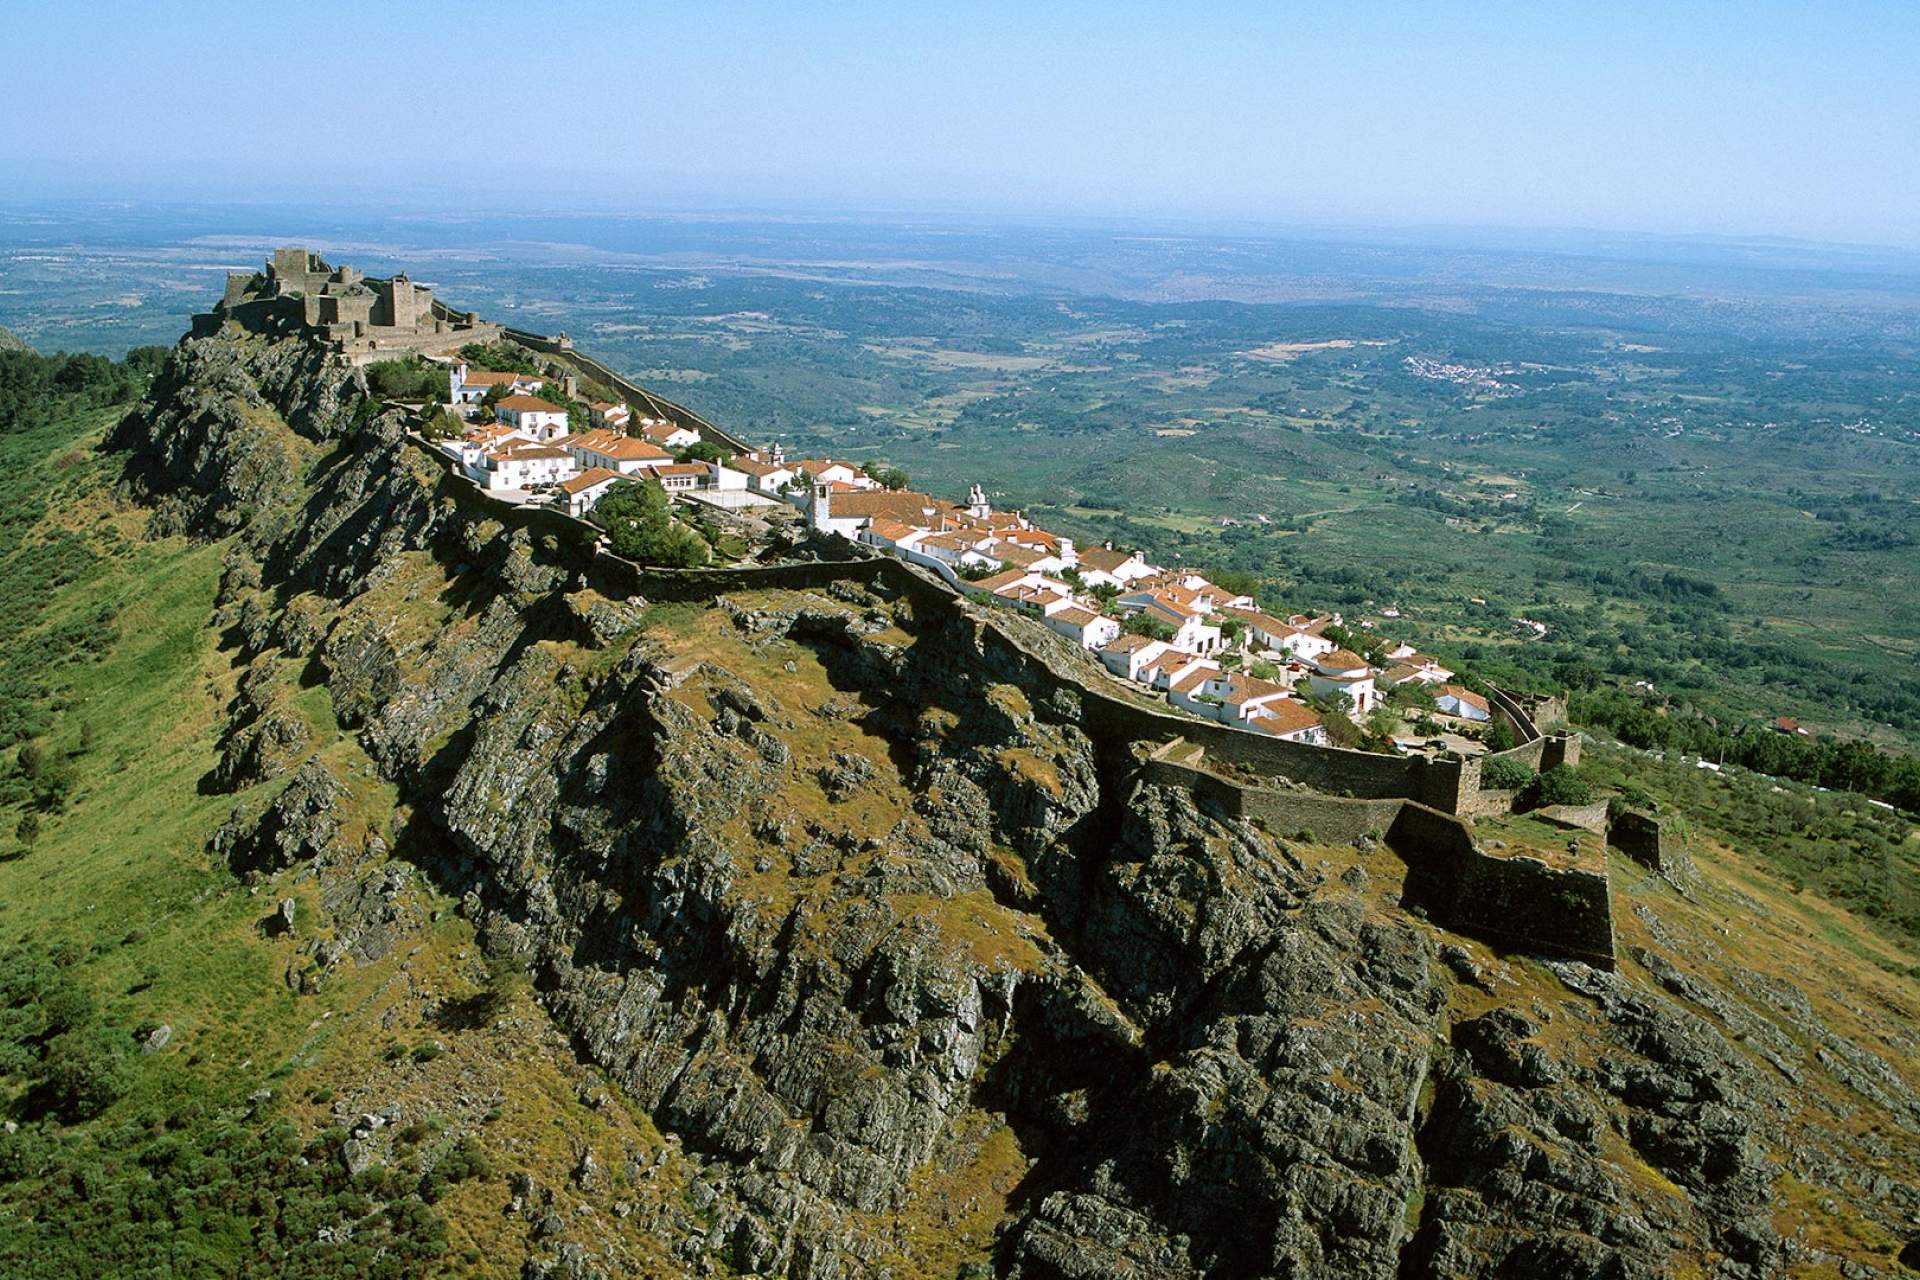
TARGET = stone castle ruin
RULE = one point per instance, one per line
(359, 318)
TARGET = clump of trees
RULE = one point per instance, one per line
(1505, 774)
(409, 380)
(1824, 762)
(887, 476)
(498, 357)
(639, 521)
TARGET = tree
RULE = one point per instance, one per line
(1562, 784)
(441, 425)
(85, 1071)
(1498, 737)
(1505, 775)
(1143, 624)
(703, 451)
(640, 526)
(28, 829)
(887, 476)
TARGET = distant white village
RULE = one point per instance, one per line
(1211, 651)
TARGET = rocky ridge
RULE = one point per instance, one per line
(920, 977)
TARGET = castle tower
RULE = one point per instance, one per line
(401, 310)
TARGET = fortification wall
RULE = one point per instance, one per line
(1512, 902)
(1442, 784)
(1517, 903)
(1284, 812)
(1584, 817)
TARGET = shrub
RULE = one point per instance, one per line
(86, 1071)
(1561, 784)
(1505, 775)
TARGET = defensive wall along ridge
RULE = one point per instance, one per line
(1416, 805)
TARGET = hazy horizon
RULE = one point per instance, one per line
(1783, 122)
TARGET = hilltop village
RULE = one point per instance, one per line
(519, 435)
(1212, 652)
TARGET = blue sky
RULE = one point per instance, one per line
(1755, 118)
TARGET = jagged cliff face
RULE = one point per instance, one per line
(923, 980)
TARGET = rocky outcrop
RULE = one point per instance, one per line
(228, 428)
(855, 908)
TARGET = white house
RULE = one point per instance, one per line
(616, 452)
(1083, 626)
(1345, 674)
(468, 385)
(1288, 721)
(610, 413)
(585, 490)
(1191, 630)
(848, 513)
(1455, 700)
(1127, 656)
(764, 476)
(521, 465)
(1263, 630)
(1305, 641)
(683, 477)
(1103, 566)
(531, 414)
(827, 471)
(1174, 666)
(668, 435)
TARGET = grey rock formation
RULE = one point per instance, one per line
(830, 907)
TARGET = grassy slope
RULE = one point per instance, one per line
(167, 935)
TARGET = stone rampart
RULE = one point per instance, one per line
(1284, 812)
(1512, 902)
(1583, 817)
(1645, 839)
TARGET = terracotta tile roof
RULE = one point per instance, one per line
(891, 530)
(1015, 554)
(903, 504)
(1074, 615)
(527, 404)
(1279, 718)
(627, 449)
(682, 469)
(998, 580)
(1464, 694)
(757, 469)
(1341, 660)
(519, 452)
(489, 378)
(1191, 681)
(589, 478)
(1104, 560)
(1127, 642)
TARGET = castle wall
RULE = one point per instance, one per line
(1520, 903)
(1283, 812)
(1512, 902)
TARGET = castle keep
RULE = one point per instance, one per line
(359, 318)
